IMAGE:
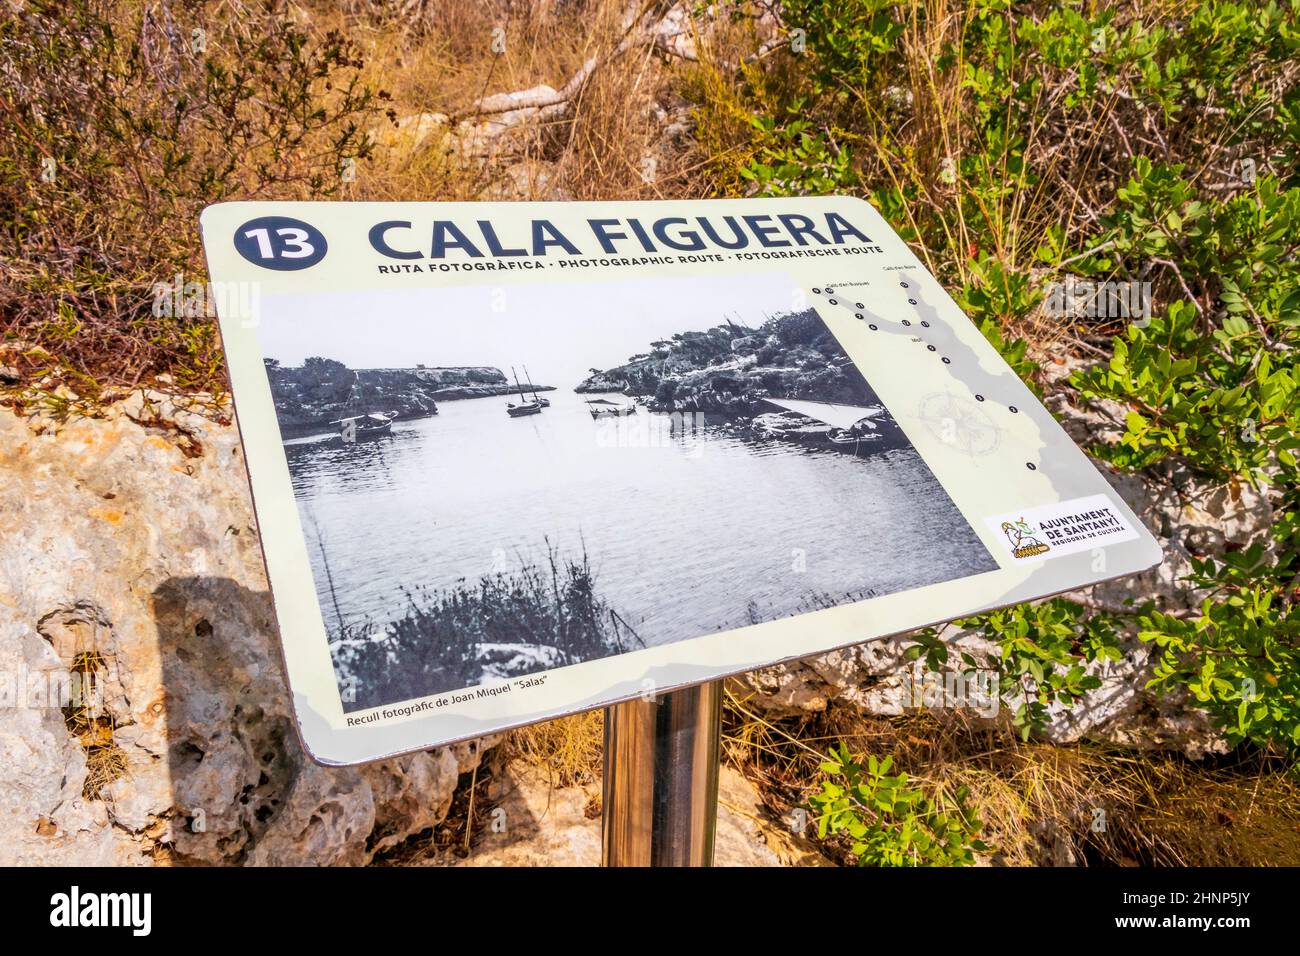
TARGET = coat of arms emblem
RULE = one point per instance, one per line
(1023, 542)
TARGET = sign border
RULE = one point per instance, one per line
(1028, 430)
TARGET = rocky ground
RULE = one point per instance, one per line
(130, 538)
(128, 551)
(534, 823)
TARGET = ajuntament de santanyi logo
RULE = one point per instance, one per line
(1023, 542)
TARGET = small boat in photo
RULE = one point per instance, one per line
(838, 424)
(862, 431)
(363, 427)
(788, 426)
(603, 408)
(544, 402)
(524, 407)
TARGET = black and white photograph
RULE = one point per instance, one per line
(494, 483)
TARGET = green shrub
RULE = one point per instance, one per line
(117, 126)
(1239, 657)
(1011, 146)
(885, 822)
(1042, 657)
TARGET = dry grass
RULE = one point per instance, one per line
(569, 751)
(83, 253)
(95, 729)
(594, 151)
(1247, 815)
(1039, 802)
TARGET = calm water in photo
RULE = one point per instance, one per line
(686, 533)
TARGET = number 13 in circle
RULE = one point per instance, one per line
(280, 243)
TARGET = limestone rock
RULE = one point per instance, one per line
(127, 544)
(128, 550)
(850, 676)
(418, 127)
(527, 179)
(538, 825)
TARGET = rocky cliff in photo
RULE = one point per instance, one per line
(320, 391)
(731, 369)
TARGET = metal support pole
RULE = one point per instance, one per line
(661, 779)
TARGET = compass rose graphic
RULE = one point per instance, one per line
(960, 423)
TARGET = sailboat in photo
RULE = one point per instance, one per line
(524, 407)
(544, 402)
